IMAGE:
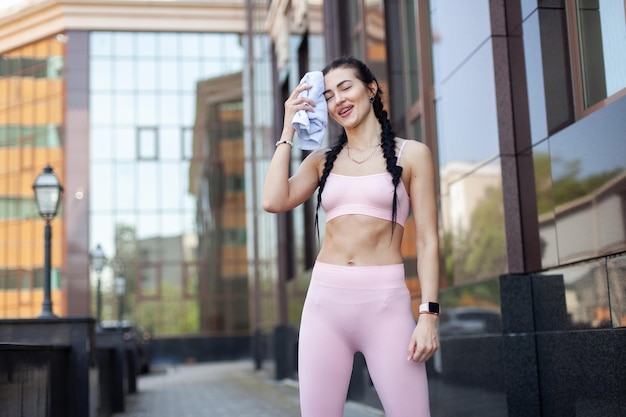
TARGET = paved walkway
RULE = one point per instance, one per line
(220, 389)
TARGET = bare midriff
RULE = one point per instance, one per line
(358, 240)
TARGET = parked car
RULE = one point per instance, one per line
(130, 331)
(469, 320)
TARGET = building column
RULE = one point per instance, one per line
(75, 276)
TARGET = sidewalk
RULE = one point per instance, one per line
(220, 389)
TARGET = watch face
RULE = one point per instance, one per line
(429, 307)
(433, 308)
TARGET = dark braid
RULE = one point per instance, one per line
(388, 143)
(387, 136)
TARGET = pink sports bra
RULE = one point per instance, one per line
(369, 195)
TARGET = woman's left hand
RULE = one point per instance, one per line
(424, 341)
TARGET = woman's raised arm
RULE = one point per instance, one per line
(281, 192)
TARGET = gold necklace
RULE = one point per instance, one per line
(364, 160)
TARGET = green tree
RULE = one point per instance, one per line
(480, 251)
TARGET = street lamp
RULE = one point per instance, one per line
(48, 191)
(98, 260)
(120, 289)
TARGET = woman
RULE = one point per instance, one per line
(357, 299)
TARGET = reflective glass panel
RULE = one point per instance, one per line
(459, 29)
(101, 188)
(617, 289)
(101, 44)
(123, 75)
(125, 143)
(124, 44)
(100, 108)
(170, 143)
(467, 124)
(545, 205)
(148, 227)
(579, 297)
(168, 45)
(125, 109)
(172, 224)
(473, 220)
(149, 184)
(602, 36)
(191, 46)
(535, 79)
(588, 176)
(172, 189)
(168, 76)
(146, 44)
(100, 74)
(146, 75)
(169, 110)
(126, 191)
(147, 109)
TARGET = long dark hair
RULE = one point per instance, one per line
(387, 136)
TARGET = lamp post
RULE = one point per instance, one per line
(120, 289)
(48, 191)
(98, 260)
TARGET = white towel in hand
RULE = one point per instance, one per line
(311, 125)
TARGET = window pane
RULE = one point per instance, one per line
(602, 35)
(100, 108)
(168, 44)
(101, 145)
(148, 183)
(191, 280)
(172, 186)
(190, 45)
(188, 108)
(124, 44)
(123, 75)
(171, 225)
(101, 193)
(100, 44)
(169, 109)
(170, 144)
(125, 188)
(147, 225)
(146, 75)
(147, 143)
(147, 110)
(190, 75)
(100, 71)
(168, 76)
(149, 281)
(125, 144)
(124, 108)
(146, 44)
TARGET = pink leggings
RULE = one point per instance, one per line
(350, 309)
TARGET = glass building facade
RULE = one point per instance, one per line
(31, 126)
(167, 176)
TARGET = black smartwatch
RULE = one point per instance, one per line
(429, 308)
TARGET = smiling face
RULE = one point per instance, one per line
(347, 97)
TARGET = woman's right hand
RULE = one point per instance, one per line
(295, 104)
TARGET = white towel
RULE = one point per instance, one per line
(311, 125)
